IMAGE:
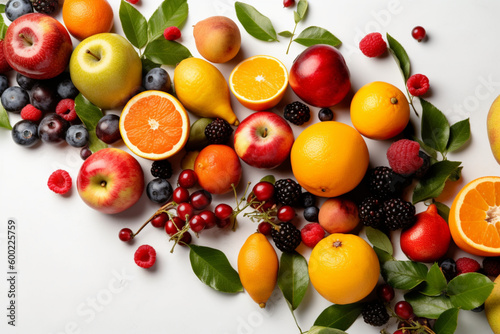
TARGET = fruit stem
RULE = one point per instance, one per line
(164, 208)
(93, 55)
(410, 97)
(27, 40)
(291, 37)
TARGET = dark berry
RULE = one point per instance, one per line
(209, 218)
(185, 239)
(491, 266)
(287, 191)
(85, 152)
(285, 213)
(385, 292)
(196, 223)
(44, 96)
(223, 223)
(478, 309)
(161, 169)
(125, 234)
(263, 191)
(375, 313)
(223, 211)
(418, 33)
(297, 113)
(384, 182)
(45, 6)
(17, 8)
(52, 128)
(4, 83)
(265, 228)
(157, 79)
(218, 131)
(180, 195)
(159, 191)
(187, 178)
(185, 211)
(448, 268)
(77, 135)
(108, 128)
(403, 309)
(200, 199)
(371, 213)
(25, 82)
(307, 199)
(174, 225)
(311, 213)
(159, 220)
(66, 89)
(398, 213)
(286, 237)
(425, 166)
(25, 133)
(15, 98)
(325, 114)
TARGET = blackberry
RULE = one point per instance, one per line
(398, 213)
(161, 169)
(287, 238)
(297, 113)
(287, 192)
(384, 182)
(45, 6)
(218, 131)
(375, 313)
(425, 166)
(371, 213)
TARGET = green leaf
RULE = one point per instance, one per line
(301, 11)
(456, 174)
(435, 283)
(89, 114)
(400, 56)
(4, 118)
(404, 275)
(382, 255)
(426, 306)
(286, 34)
(339, 316)
(256, 24)
(447, 322)
(293, 278)
(169, 13)
(268, 178)
(429, 150)
(459, 135)
(134, 25)
(468, 291)
(212, 267)
(315, 35)
(432, 183)
(443, 210)
(324, 330)
(2, 8)
(379, 239)
(435, 130)
(165, 52)
(3, 27)
(148, 65)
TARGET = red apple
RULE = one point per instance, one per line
(110, 180)
(37, 46)
(4, 65)
(263, 140)
(319, 76)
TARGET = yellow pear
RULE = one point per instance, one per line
(493, 126)
(492, 307)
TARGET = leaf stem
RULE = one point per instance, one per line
(410, 97)
(291, 37)
(296, 322)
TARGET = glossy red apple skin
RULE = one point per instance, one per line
(110, 181)
(263, 140)
(37, 46)
(319, 76)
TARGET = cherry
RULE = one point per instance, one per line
(180, 195)
(200, 199)
(265, 228)
(223, 223)
(286, 213)
(186, 239)
(399, 331)
(403, 309)
(185, 210)
(125, 234)
(223, 211)
(187, 178)
(197, 223)
(386, 292)
(159, 220)
(288, 3)
(418, 33)
(174, 225)
(209, 218)
(263, 191)
(267, 205)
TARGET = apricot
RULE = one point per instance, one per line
(338, 215)
(217, 39)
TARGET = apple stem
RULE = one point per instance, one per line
(103, 184)
(27, 40)
(93, 55)
(264, 134)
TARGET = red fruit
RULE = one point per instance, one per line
(288, 3)
(223, 211)
(180, 195)
(125, 234)
(373, 45)
(197, 223)
(385, 292)
(491, 266)
(66, 109)
(185, 239)
(418, 84)
(428, 239)
(285, 213)
(403, 156)
(418, 33)
(467, 265)
(311, 234)
(60, 181)
(31, 113)
(174, 225)
(209, 218)
(403, 309)
(263, 191)
(145, 256)
(159, 220)
(133, 2)
(172, 33)
(185, 211)
(187, 178)
(265, 228)
(4, 65)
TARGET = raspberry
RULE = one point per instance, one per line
(491, 266)
(385, 183)
(31, 113)
(287, 238)
(287, 192)
(373, 45)
(172, 33)
(133, 2)
(218, 131)
(312, 234)
(398, 213)
(418, 84)
(60, 182)
(145, 256)
(66, 109)
(403, 156)
(375, 313)
(297, 113)
(467, 265)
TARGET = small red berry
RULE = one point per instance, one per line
(403, 156)
(30, 113)
(180, 195)
(59, 181)
(185, 239)
(66, 109)
(187, 178)
(174, 225)
(159, 220)
(467, 265)
(145, 256)
(373, 45)
(418, 33)
(209, 218)
(172, 33)
(403, 309)
(185, 211)
(197, 223)
(223, 211)
(265, 228)
(311, 234)
(288, 3)
(125, 234)
(285, 213)
(85, 152)
(133, 2)
(385, 292)
(418, 84)
(223, 223)
(200, 199)
(263, 191)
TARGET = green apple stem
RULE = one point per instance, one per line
(93, 55)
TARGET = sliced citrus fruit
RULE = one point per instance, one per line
(475, 217)
(259, 82)
(154, 125)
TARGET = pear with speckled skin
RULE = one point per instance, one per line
(493, 127)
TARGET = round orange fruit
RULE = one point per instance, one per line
(84, 18)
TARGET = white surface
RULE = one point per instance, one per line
(75, 276)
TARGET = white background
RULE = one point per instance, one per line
(75, 276)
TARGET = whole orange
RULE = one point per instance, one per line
(217, 168)
(84, 18)
(329, 158)
(343, 268)
(379, 110)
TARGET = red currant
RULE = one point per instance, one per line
(159, 220)
(399, 331)
(403, 309)
(263, 191)
(185, 210)
(180, 195)
(288, 3)
(265, 228)
(197, 223)
(223, 211)
(286, 213)
(200, 199)
(223, 223)
(187, 178)
(418, 33)
(267, 205)
(174, 225)
(125, 234)
(386, 292)
(185, 239)
(209, 218)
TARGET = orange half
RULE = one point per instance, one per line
(154, 125)
(475, 217)
(259, 82)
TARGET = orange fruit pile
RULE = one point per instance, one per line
(84, 18)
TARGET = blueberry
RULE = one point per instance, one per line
(77, 135)
(159, 191)
(449, 268)
(17, 8)
(311, 213)
(52, 128)
(4, 83)
(157, 79)
(25, 133)
(15, 98)
(85, 152)
(307, 199)
(108, 129)
(44, 96)
(325, 114)
(25, 82)
(66, 89)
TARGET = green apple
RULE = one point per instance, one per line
(106, 69)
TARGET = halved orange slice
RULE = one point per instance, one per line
(154, 125)
(474, 218)
(259, 82)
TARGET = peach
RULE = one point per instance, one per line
(338, 215)
(217, 38)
